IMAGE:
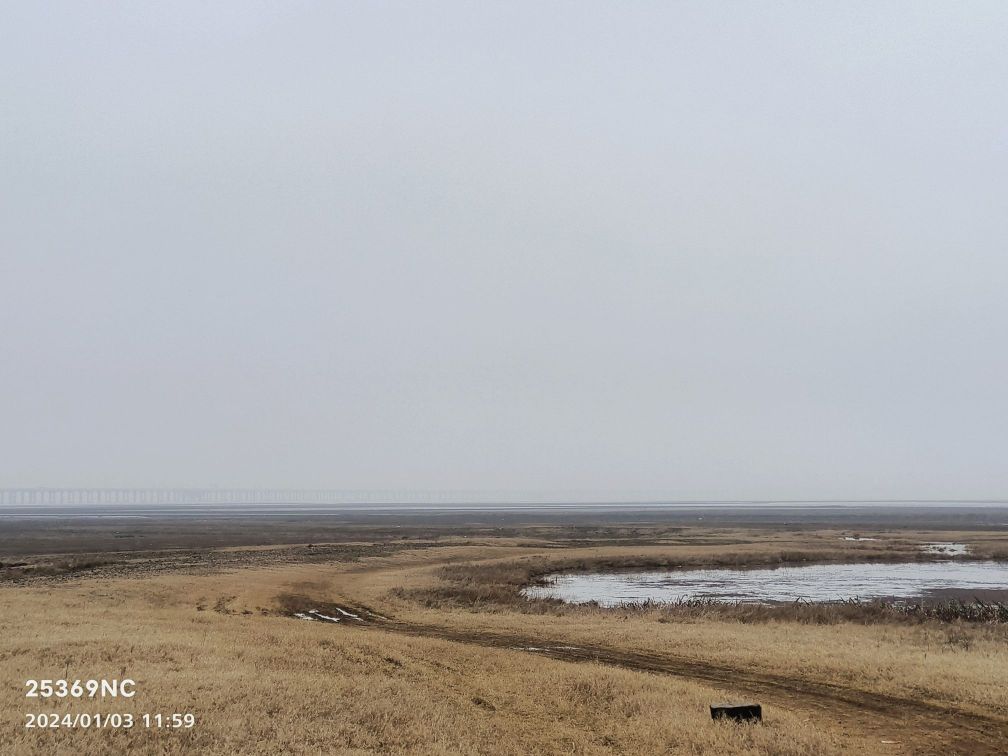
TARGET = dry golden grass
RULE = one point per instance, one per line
(217, 645)
(269, 684)
(958, 664)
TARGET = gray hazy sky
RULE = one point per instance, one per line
(717, 250)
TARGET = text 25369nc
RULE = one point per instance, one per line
(102, 688)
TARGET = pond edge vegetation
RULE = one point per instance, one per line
(496, 585)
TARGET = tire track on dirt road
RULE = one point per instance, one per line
(897, 724)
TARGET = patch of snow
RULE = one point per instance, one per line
(325, 617)
(345, 613)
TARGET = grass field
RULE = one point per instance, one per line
(447, 657)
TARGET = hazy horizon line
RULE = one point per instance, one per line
(488, 496)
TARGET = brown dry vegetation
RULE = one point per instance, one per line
(457, 676)
(498, 584)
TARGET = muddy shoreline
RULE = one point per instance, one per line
(77, 530)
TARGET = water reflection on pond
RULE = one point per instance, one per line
(821, 582)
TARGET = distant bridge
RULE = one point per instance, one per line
(169, 496)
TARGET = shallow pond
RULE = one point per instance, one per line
(820, 582)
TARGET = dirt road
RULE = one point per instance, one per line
(898, 725)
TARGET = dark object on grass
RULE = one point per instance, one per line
(737, 712)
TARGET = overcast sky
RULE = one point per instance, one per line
(712, 250)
